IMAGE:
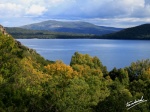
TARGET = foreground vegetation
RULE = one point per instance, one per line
(29, 83)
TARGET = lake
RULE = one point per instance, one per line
(112, 53)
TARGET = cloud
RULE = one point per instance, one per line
(112, 8)
(76, 8)
(97, 8)
(10, 9)
(36, 10)
(117, 11)
(118, 22)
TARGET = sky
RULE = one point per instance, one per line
(113, 13)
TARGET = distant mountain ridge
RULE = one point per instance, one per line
(141, 32)
(71, 27)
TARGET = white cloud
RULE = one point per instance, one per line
(117, 11)
(10, 10)
(36, 10)
(86, 8)
(119, 22)
(56, 1)
(118, 8)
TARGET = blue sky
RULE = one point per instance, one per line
(116, 13)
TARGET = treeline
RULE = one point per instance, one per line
(29, 83)
(141, 32)
(20, 33)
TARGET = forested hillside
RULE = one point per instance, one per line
(20, 33)
(29, 83)
(141, 32)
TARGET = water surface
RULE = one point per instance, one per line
(112, 53)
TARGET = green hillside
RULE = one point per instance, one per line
(20, 33)
(29, 83)
(141, 32)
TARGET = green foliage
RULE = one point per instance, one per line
(121, 75)
(138, 89)
(76, 91)
(138, 69)
(86, 60)
(116, 101)
(29, 83)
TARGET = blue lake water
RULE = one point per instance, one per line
(112, 53)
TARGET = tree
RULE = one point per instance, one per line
(116, 101)
(136, 69)
(86, 60)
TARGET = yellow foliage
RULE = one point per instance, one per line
(61, 69)
(31, 78)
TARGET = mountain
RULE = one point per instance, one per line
(141, 32)
(72, 27)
